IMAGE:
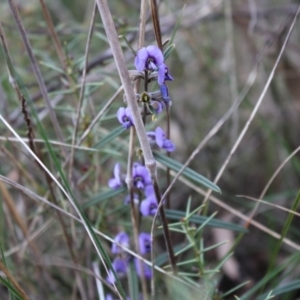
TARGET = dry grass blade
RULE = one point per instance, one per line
(36, 70)
(270, 182)
(13, 281)
(259, 200)
(257, 105)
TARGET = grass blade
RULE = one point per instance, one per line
(103, 196)
(189, 173)
(178, 215)
(112, 135)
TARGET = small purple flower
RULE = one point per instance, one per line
(136, 199)
(120, 267)
(117, 181)
(149, 206)
(121, 238)
(151, 58)
(157, 106)
(146, 269)
(145, 242)
(141, 177)
(159, 138)
(124, 117)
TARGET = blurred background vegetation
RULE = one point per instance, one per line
(223, 48)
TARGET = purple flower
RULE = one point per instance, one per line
(146, 269)
(149, 206)
(159, 138)
(141, 176)
(145, 242)
(121, 238)
(136, 199)
(120, 267)
(157, 106)
(124, 117)
(152, 59)
(116, 182)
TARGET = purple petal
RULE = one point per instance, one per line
(168, 145)
(155, 53)
(146, 268)
(160, 136)
(136, 164)
(128, 113)
(140, 185)
(121, 238)
(141, 177)
(157, 106)
(149, 206)
(121, 114)
(151, 138)
(145, 242)
(135, 199)
(161, 74)
(120, 268)
(117, 171)
(167, 75)
(164, 91)
(149, 190)
(113, 183)
(116, 182)
(141, 59)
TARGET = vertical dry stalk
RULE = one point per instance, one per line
(155, 19)
(87, 48)
(36, 70)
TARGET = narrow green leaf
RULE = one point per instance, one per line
(189, 173)
(133, 282)
(235, 288)
(12, 290)
(289, 287)
(52, 66)
(164, 257)
(178, 215)
(103, 196)
(294, 259)
(112, 135)
(168, 51)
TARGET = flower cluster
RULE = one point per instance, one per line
(120, 263)
(142, 183)
(149, 62)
